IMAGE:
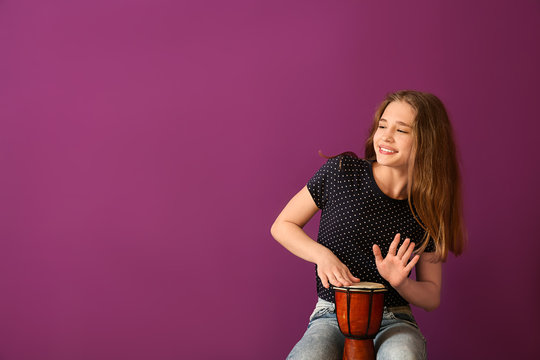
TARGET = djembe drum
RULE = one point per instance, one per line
(359, 310)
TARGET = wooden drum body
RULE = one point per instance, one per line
(359, 310)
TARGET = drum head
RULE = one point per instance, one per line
(363, 286)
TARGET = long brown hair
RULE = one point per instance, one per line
(434, 184)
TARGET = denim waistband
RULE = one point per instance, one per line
(330, 306)
(405, 309)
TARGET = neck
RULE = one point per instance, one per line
(392, 181)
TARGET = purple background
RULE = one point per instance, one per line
(147, 147)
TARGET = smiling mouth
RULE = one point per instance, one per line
(386, 151)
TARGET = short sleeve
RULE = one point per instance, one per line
(430, 247)
(322, 183)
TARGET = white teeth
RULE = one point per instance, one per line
(387, 150)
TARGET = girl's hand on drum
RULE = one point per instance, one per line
(395, 268)
(331, 270)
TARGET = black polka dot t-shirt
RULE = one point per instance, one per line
(355, 215)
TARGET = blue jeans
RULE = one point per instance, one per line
(398, 338)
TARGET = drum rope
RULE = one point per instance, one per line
(349, 311)
(369, 312)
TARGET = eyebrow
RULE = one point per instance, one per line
(399, 122)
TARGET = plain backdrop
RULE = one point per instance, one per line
(146, 147)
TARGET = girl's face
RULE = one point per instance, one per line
(393, 140)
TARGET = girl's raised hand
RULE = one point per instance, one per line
(331, 270)
(395, 268)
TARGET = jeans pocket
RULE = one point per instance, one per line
(322, 307)
(318, 312)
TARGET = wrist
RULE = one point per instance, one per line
(404, 284)
(321, 254)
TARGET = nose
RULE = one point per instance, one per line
(387, 136)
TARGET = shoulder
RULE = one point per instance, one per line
(344, 164)
(430, 247)
(350, 162)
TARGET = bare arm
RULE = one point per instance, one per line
(288, 231)
(425, 291)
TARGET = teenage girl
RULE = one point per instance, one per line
(398, 208)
